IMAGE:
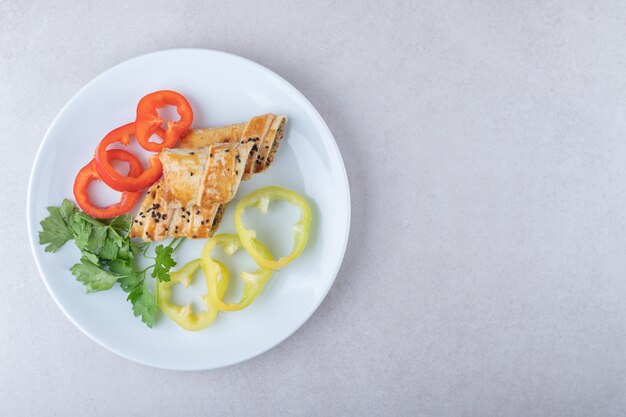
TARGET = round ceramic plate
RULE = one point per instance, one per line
(222, 89)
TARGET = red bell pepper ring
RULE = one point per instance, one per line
(149, 122)
(89, 173)
(114, 179)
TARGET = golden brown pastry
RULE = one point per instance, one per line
(268, 128)
(155, 221)
(203, 176)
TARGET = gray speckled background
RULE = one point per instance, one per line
(485, 144)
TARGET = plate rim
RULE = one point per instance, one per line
(32, 223)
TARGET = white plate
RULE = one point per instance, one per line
(222, 89)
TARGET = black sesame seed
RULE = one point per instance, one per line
(192, 153)
(140, 223)
(197, 212)
(188, 213)
(191, 174)
(164, 216)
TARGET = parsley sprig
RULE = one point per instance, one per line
(108, 255)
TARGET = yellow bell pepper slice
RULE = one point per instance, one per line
(253, 282)
(261, 199)
(183, 315)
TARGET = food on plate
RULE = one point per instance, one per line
(184, 316)
(89, 173)
(109, 175)
(108, 255)
(203, 176)
(261, 199)
(198, 181)
(215, 273)
(268, 129)
(188, 190)
(148, 121)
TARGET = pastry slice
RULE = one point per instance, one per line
(223, 173)
(182, 175)
(155, 221)
(189, 200)
(255, 132)
(268, 128)
(269, 144)
(197, 138)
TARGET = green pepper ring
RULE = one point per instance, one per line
(261, 199)
(253, 281)
(183, 315)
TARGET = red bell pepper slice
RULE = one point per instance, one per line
(114, 179)
(149, 122)
(89, 173)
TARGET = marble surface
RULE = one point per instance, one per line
(485, 143)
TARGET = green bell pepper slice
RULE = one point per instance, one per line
(261, 199)
(183, 315)
(253, 282)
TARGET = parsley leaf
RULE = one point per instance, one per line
(81, 230)
(144, 304)
(91, 257)
(108, 255)
(94, 277)
(163, 262)
(96, 238)
(109, 249)
(56, 227)
(121, 223)
(126, 252)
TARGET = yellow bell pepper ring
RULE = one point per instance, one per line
(183, 315)
(253, 282)
(261, 199)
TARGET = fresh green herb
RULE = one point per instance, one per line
(108, 255)
(144, 304)
(56, 227)
(163, 261)
(94, 277)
